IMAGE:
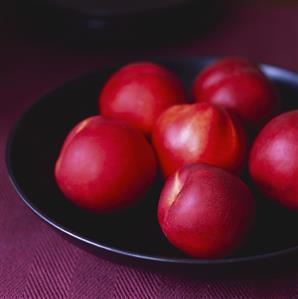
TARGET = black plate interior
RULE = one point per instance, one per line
(36, 140)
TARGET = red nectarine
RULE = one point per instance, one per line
(205, 211)
(238, 86)
(273, 160)
(105, 165)
(201, 132)
(139, 92)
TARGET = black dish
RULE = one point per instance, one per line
(134, 234)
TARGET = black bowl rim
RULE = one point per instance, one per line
(287, 75)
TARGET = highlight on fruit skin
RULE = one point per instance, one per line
(105, 165)
(239, 86)
(205, 211)
(199, 133)
(273, 162)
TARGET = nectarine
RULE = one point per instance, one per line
(238, 85)
(273, 160)
(105, 165)
(201, 132)
(205, 211)
(139, 92)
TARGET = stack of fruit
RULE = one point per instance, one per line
(202, 148)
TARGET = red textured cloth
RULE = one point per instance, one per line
(36, 262)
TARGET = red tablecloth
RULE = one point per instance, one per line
(36, 262)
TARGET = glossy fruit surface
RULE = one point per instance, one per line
(239, 86)
(204, 211)
(105, 165)
(192, 133)
(273, 160)
(139, 92)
